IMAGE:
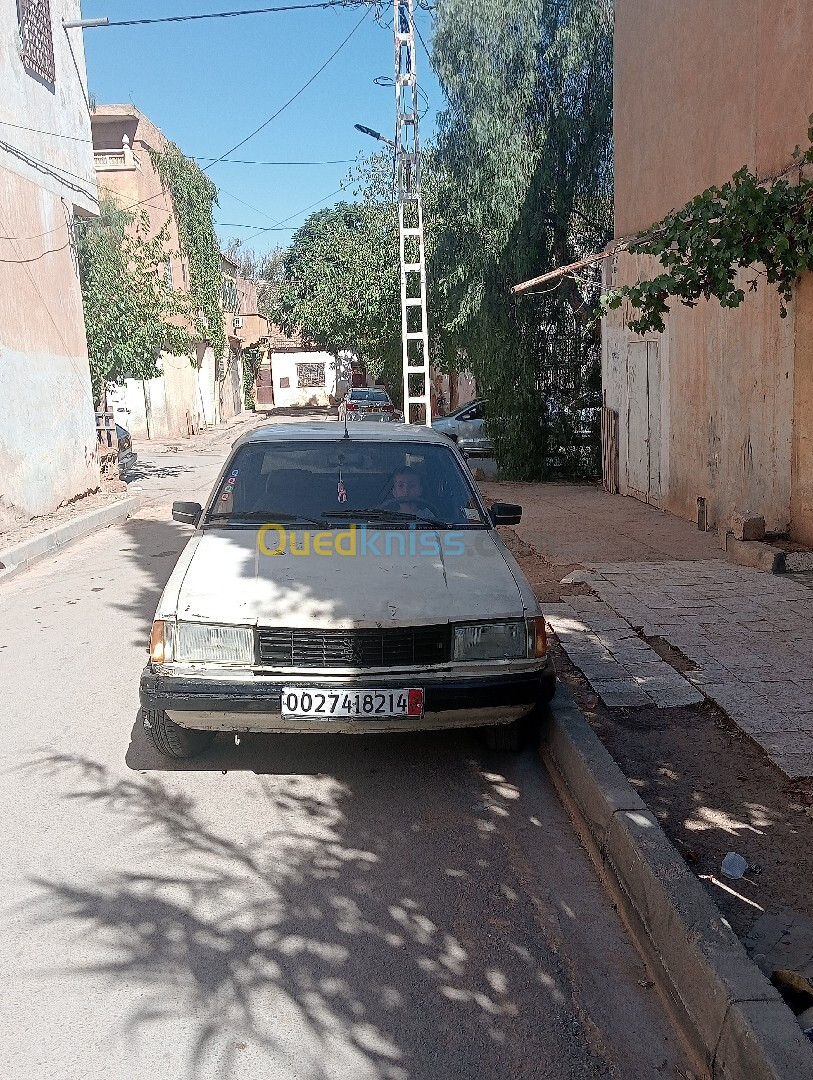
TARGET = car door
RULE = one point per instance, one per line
(471, 431)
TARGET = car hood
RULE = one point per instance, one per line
(423, 577)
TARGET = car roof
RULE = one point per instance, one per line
(330, 431)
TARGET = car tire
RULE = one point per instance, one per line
(548, 690)
(505, 737)
(170, 739)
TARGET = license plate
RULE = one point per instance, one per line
(306, 703)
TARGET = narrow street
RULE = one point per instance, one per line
(296, 907)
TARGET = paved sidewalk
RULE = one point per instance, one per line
(620, 666)
(747, 635)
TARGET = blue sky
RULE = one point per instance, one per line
(208, 84)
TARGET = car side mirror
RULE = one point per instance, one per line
(505, 513)
(187, 512)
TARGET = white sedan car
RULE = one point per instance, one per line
(346, 583)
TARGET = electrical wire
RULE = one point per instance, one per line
(428, 54)
(233, 14)
(290, 100)
(239, 161)
(276, 226)
(194, 157)
(39, 131)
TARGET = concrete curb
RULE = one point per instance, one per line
(735, 1022)
(13, 560)
(754, 553)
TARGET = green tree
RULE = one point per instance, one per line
(341, 277)
(131, 315)
(341, 285)
(265, 270)
(525, 184)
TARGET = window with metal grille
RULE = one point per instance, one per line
(310, 374)
(36, 37)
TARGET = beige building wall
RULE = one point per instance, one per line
(720, 406)
(47, 426)
(179, 401)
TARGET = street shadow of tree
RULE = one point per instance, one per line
(334, 927)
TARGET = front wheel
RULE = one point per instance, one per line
(505, 737)
(172, 740)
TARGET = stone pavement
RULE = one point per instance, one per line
(748, 635)
(620, 666)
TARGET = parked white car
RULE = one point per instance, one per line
(345, 583)
(466, 426)
(368, 403)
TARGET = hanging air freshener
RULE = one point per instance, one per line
(341, 489)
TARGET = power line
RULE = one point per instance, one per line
(194, 157)
(276, 227)
(234, 14)
(292, 99)
(39, 131)
(428, 54)
(241, 225)
(240, 161)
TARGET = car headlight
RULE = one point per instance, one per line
(204, 642)
(491, 641)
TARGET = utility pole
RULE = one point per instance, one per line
(414, 334)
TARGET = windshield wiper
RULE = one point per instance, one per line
(374, 514)
(271, 517)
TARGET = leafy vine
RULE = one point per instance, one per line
(252, 359)
(766, 226)
(193, 195)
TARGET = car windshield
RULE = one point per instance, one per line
(369, 395)
(332, 483)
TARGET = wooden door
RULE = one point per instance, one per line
(653, 383)
(644, 421)
(637, 420)
(265, 384)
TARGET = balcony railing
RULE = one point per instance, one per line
(109, 160)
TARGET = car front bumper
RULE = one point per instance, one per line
(254, 702)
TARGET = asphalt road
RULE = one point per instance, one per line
(306, 908)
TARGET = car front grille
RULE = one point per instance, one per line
(409, 646)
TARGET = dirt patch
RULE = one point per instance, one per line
(16, 532)
(543, 573)
(713, 791)
(711, 787)
(671, 654)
